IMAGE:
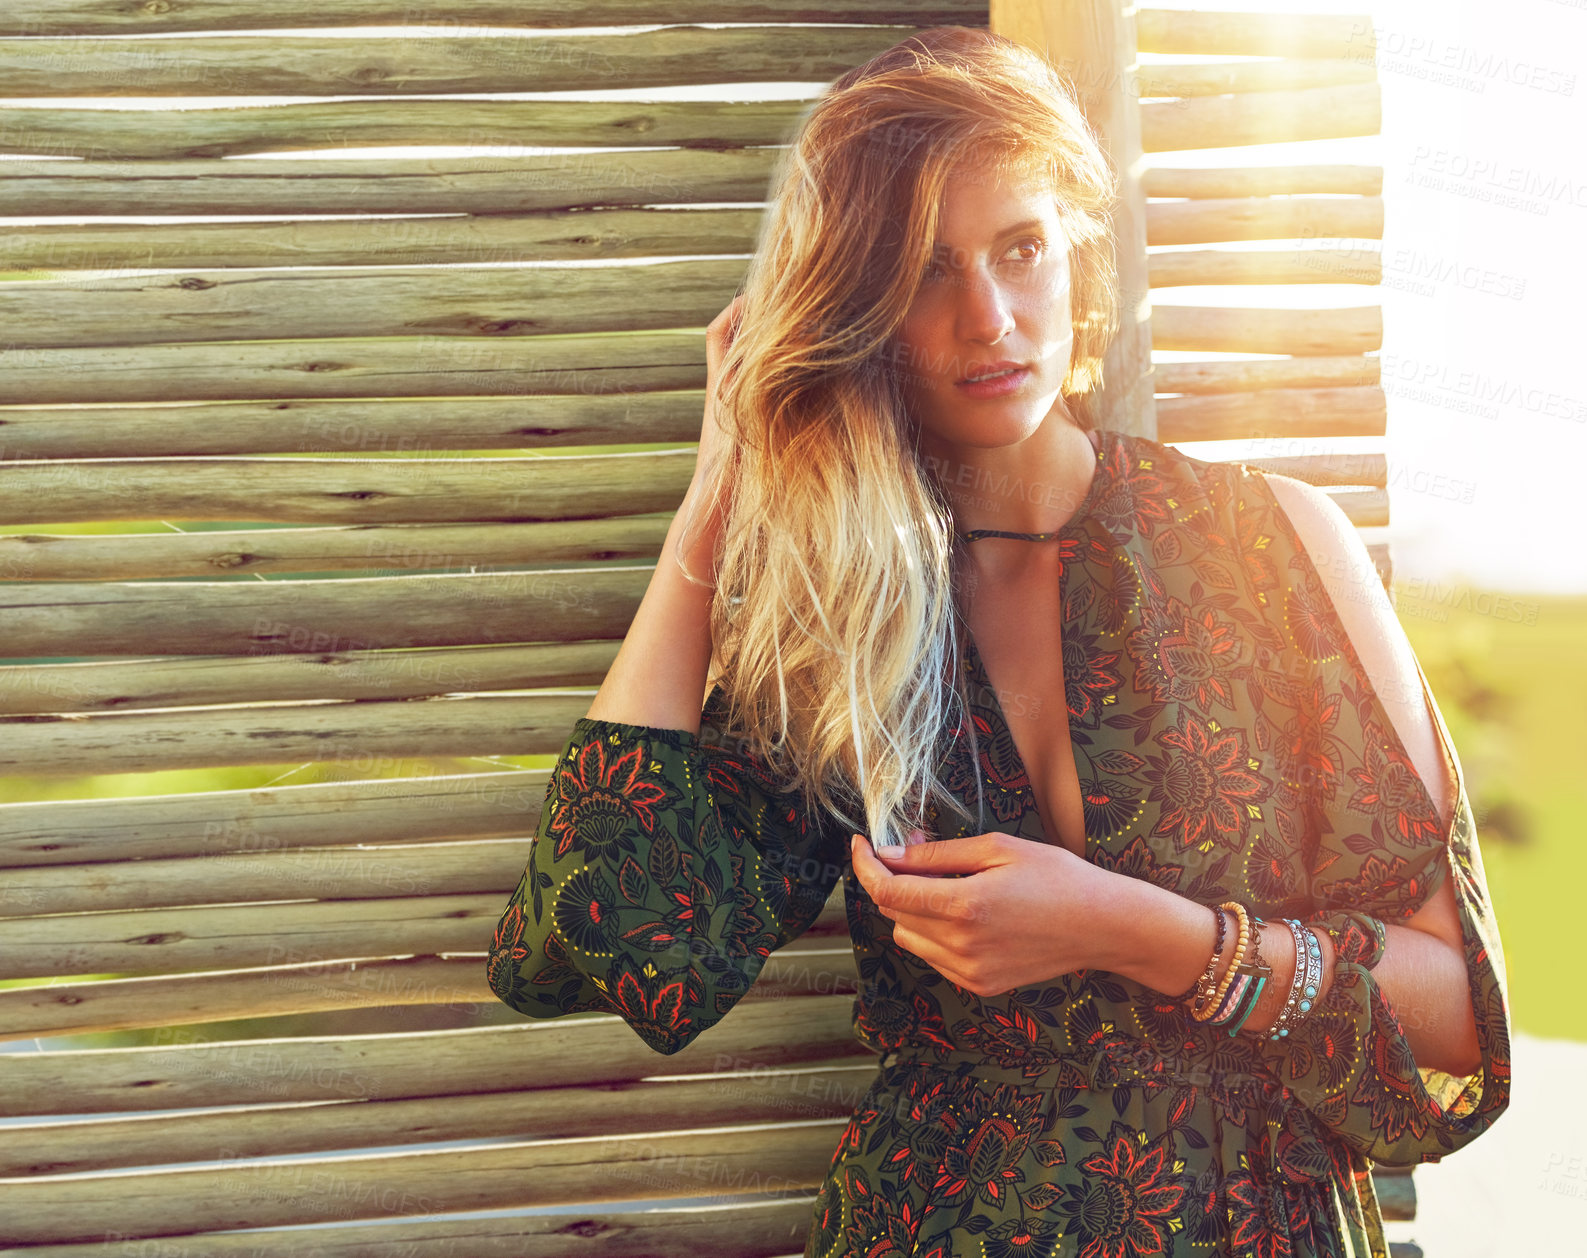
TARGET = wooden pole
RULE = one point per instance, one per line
(1093, 43)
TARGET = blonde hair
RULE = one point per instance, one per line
(834, 617)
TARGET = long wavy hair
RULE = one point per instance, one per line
(835, 622)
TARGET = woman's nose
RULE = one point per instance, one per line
(984, 311)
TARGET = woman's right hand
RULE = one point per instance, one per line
(700, 554)
(719, 334)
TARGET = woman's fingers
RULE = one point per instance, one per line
(929, 951)
(719, 333)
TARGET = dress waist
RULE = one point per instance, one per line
(1108, 1062)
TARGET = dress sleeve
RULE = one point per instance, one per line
(1377, 850)
(664, 871)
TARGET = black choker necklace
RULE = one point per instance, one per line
(1025, 537)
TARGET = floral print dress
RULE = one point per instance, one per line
(1229, 746)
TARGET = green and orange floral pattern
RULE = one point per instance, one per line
(1229, 746)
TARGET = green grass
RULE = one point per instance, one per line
(1514, 696)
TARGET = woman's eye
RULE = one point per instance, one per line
(1034, 245)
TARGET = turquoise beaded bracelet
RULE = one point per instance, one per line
(1308, 979)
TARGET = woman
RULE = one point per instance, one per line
(1171, 919)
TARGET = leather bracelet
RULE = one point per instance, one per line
(1256, 991)
(1231, 1000)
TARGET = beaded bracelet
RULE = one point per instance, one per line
(1206, 1008)
(1251, 977)
(1212, 962)
(1308, 979)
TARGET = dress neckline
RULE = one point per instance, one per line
(1105, 439)
(1100, 439)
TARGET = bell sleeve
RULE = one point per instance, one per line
(1377, 851)
(664, 871)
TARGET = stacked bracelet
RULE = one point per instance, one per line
(1308, 979)
(1229, 1001)
(1210, 996)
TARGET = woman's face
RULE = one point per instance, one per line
(996, 293)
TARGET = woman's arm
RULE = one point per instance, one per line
(659, 677)
(1165, 940)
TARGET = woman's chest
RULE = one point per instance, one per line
(1016, 658)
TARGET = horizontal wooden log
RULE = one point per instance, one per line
(115, 686)
(273, 818)
(1396, 1194)
(363, 733)
(1209, 122)
(406, 367)
(365, 872)
(1183, 79)
(1272, 414)
(271, 617)
(460, 240)
(776, 1157)
(117, 134)
(1211, 220)
(189, 939)
(830, 1090)
(389, 550)
(419, 65)
(185, 1069)
(492, 303)
(1241, 376)
(1264, 266)
(1260, 181)
(461, 867)
(1249, 330)
(458, 983)
(754, 1228)
(474, 303)
(346, 491)
(1202, 33)
(119, 1004)
(375, 427)
(96, 17)
(1365, 508)
(414, 185)
(194, 938)
(1348, 468)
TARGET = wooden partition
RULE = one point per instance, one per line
(354, 502)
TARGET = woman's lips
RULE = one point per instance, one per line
(997, 386)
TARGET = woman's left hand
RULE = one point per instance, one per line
(1023, 913)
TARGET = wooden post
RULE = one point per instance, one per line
(1093, 43)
